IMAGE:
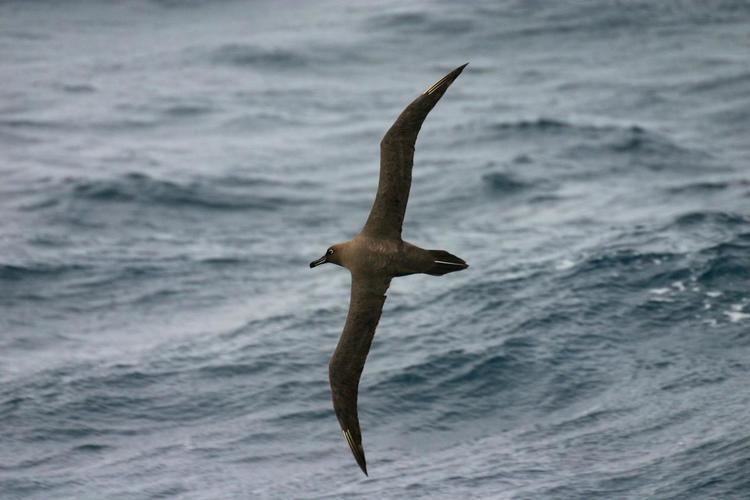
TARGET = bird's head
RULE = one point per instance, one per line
(334, 255)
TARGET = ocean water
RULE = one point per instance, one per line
(168, 169)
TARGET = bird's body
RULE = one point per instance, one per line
(388, 257)
(376, 256)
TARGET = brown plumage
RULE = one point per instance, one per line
(377, 255)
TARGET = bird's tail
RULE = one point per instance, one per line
(445, 262)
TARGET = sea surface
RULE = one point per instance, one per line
(168, 169)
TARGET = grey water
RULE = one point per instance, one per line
(168, 169)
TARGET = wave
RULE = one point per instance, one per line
(115, 123)
(583, 141)
(162, 110)
(727, 264)
(11, 272)
(611, 259)
(504, 183)
(422, 22)
(598, 19)
(78, 88)
(32, 124)
(724, 219)
(639, 271)
(645, 276)
(461, 373)
(243, 54)
(736, 85)
(539, 124)
(230, 193)
(635, 135)
(14, 139)
(707, 187)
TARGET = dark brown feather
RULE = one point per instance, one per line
(348, 360)
(396, 161)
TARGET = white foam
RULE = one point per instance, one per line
(736, 314)
(564, 264)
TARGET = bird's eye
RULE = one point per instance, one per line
(330, 251)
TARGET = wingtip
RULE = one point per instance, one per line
(458, 70)
(357, 450)
(361, 461)
(439, 87)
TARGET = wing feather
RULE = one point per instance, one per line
(396, 160)
(348, 360)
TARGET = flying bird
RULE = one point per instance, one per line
(378, 254)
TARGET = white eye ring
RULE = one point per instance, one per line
(330, 251)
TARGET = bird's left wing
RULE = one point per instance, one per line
(348, 360)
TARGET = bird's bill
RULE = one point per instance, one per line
(318, 262)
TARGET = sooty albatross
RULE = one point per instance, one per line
(378, 254)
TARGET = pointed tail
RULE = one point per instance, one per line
(445, 262)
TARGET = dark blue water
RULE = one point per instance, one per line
(168, 169)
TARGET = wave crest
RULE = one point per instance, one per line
(214, 194)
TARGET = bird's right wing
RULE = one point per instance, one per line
(348, 360)
(396, 161)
